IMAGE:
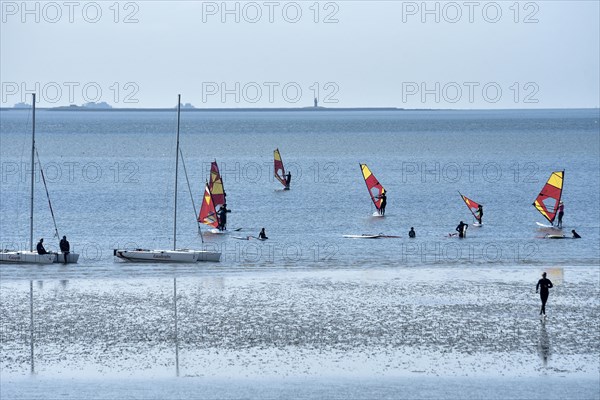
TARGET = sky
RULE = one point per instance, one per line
(405, 54)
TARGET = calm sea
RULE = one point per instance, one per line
(110, 176)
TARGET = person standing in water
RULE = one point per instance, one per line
(412, 234)
(461, 229)
(262, 235)
(65, 247)
(543, 287)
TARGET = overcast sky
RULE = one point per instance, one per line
(471, 54)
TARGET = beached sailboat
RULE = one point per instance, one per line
(376, 190)
(548, 200)
(474, 208)
(30, 256)
(279, 170)
(174, 255)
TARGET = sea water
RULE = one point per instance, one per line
(307, 302)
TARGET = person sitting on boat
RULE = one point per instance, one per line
(412, 234)
(288, 180)
(40, 247)
(65, 247)
(223, 217)
(262, 234)
(480, 214)
(561, 212)
(383, 199)
(461, 229)
(575, 234)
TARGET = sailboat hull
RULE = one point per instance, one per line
(25, 257)
(72, 258)
(166, 256)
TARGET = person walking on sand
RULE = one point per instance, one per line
(543, 287)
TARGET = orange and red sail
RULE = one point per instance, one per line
(279, 170)
(471, 204)
(215, 186)
(208, 212)
(375, 188)
(549, 198)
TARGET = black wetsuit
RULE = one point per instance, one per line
(461, 229)
(40, 248)
(412, 233)
(480, 215)
(65, 247)
(383, 204)
(543, 285)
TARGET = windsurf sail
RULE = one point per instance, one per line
(472, 205)
(373, 186)
(279, 170)
(215, 186)
(549, 198)
(208, 213)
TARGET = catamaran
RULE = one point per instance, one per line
(474, 208)
(548, 200)
(376, 190)
(279, 170)
(30, 256)
(173, 255)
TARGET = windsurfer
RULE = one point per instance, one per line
(561, 212)
(262, 235)
(383, 199)
(575, 234)
(288, 179)
(480, 214)
(544, 284)
(223, 217)
(461, 229)
(412, 234)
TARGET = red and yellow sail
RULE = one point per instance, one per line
(547, 201)
(472, 205)
(208, 213)
(373, 185)
(215, 185)
(279, 170)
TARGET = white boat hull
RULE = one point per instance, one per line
(26, 257)
(168, 256)
(72, 258)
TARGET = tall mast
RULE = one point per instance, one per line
(32, 177)
(176, 171)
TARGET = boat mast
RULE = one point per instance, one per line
(32, 177)
(176, 170)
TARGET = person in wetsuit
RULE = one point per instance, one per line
(223, 217)
(288, 180)
(543, 287)
(561, 212)
(262, 234)
(383, 203)
(65, 247)
(412, 234)
(461, 228)
(480, 214)
(40, 247)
